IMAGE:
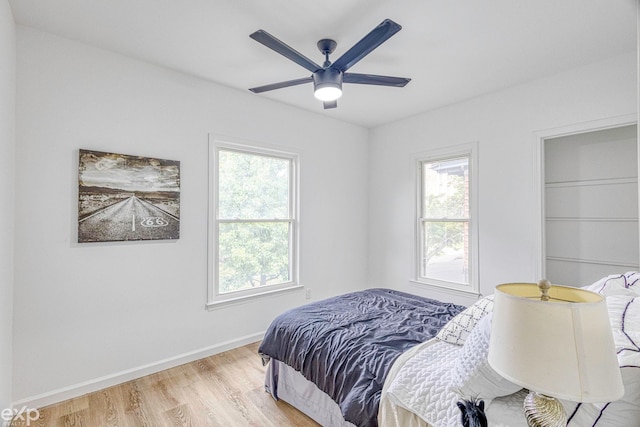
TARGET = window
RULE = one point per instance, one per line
(447, 239)
(253, 238)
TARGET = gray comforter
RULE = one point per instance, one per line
(347, 344)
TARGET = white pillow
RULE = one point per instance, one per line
(624, 314)
(473, 377)
(617, 284)
(458, 329)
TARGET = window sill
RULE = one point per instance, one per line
(214, 305)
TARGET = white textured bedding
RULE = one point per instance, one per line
(422, 383)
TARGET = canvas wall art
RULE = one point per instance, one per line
(123, 197)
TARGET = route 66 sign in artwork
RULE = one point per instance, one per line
(122, 197)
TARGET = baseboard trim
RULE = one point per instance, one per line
(80, 389)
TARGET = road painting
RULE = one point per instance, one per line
(130, 219)
(123, 197)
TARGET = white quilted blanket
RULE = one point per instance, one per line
(422, 385)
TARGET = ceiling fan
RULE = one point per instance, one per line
(328, 78)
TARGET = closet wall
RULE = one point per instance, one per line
(591, 205)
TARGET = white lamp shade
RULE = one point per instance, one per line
(561, 348)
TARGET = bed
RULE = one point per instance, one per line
(424, 357)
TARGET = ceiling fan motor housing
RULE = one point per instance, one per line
(327, 84)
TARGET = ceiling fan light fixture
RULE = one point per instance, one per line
(328, 93)
(327, 84)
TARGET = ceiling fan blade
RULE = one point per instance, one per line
(375, 38)
(371, 79)
(280, 85)
(285, 50)
(330, 104)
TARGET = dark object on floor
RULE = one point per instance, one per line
(472, 413)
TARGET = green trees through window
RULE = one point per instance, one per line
(255, 224)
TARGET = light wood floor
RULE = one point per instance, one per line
(225, 390)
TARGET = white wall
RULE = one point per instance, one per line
(7, 146)
(84, 313)
(504, 124)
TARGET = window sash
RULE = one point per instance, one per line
(254, 151)
(466, 279)
(216, 296)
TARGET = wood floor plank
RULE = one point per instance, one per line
(47, 417)
(104, 409)
(223, 390)
(279, 412)
(76, 419)
(163, 391)
(180, 416)
(206, 410)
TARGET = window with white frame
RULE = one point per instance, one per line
(253, 234)
(446, 233)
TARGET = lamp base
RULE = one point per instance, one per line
(544, 411)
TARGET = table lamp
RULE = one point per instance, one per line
(555, 341)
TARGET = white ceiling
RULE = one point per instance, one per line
(451, 49)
